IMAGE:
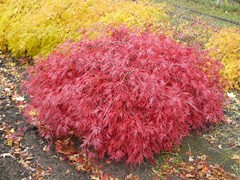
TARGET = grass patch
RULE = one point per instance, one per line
(230, 11)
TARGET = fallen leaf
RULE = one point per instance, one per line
(235, 157)
(12, 130)
(7, 155)
(49, 169)
(191, 158)
(33, 112)
(19, 98)
(189, 153)
(39, 173)
(154, 171)
(131, 177)
(9, 142)
(104, 177)
(203, 157)
(29, 158)
(231, 95)
(189, 176)
(92, 177)
(67, 171)
(65, 146)
(205, 169)
(229, 121)
(199, 167)
(191, 168)
(7, 89)
(46, 148)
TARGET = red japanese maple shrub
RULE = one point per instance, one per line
(129, 95)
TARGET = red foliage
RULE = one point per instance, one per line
(129, 95)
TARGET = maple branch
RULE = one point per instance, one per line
(108, 107)
(195, 108)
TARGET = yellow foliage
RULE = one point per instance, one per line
(33, 27)
(225, 46)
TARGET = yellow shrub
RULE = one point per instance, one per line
(225, 46)
(33, 27)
